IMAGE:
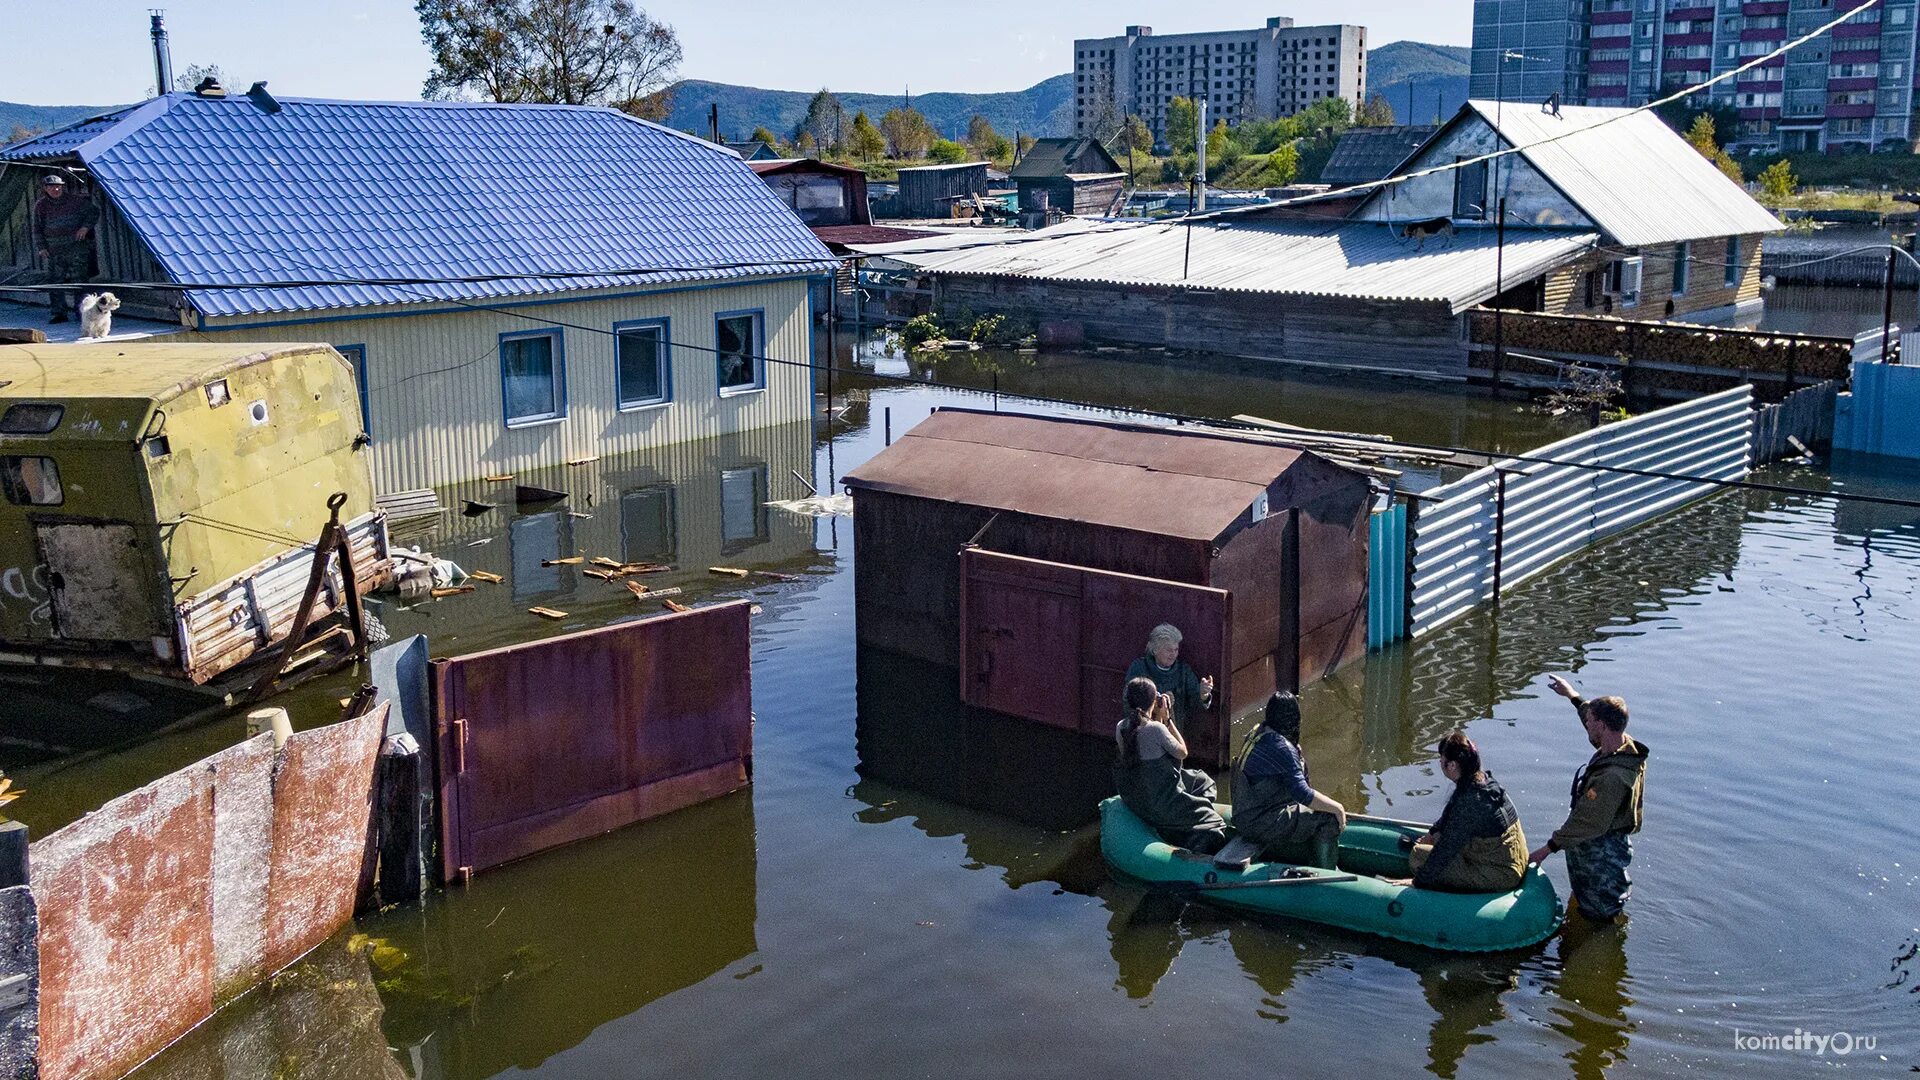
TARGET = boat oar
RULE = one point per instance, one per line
(1263, 883)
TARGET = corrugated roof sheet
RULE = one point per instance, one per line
(1370, 153)
(63, 141)
(1630, 173)
(227, 194)
(1171, 483)
(1344, 259)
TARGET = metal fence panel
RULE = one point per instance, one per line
(1499, 525)
(1386, 576)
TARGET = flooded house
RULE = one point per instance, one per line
(162, 499)
(1070, 176)
(516, 286)
(1032, 555)
(1607, 212)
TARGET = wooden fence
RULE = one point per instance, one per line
(1806, 415)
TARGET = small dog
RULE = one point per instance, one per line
(96, 314)
(1420, 230)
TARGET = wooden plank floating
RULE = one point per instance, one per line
(671, 605)
(498, 478)
(482, 575)
(548, 613)
(571, 560)
(453, 590)
(727, 570)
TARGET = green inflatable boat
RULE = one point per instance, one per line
(1353, 898)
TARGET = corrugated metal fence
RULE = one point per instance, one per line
(1386, 575)
(1502, 524)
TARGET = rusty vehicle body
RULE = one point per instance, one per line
(159, 501)
(1114, 528)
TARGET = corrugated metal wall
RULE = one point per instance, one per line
(435, 386)
(1497, 526)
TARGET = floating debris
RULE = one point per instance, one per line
(482, 575)
(548, 613)
(475, 508)
(671, 605)
(728, 570)
(498, 478)
(571, 560)
(817, 506)
(451, 590)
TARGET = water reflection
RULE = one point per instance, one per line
(531, 958)
(1592, 984)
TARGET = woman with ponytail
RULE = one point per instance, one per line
(1477, 845)
(1175, 800)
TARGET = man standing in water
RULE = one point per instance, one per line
(1606, 808)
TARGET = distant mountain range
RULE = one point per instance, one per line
(1435, 75)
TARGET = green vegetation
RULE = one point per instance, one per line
(1703, 135)
(994, 331)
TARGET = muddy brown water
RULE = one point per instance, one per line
(910, 890)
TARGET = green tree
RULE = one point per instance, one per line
(1283, 166)
(865, 142)
(1221, 151)
(1375, 113)
(1136, 135)
(908, 133)
(1183, 124)
(804, 144)
(1777, 182)
(946, 152)
(567, 52)
(1701, 136)
(1023, 144)
(761, 134)
(825, 121)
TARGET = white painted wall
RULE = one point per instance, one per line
(435, 389)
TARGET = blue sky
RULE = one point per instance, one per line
(95, 53)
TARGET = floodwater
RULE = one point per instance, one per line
(907, 890)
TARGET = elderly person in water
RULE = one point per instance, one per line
(1173, 676)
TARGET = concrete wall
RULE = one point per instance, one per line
(436, 414)
(168, 901)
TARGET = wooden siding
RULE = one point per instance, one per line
(1566, 288)
(436, 413)
(1381, 334)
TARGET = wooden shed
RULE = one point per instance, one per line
(929, 191)
(1071, 175)
(1034, 554)
(161, 500)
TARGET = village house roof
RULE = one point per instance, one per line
(401, 196)
(1055, 157)
(1625, 169)
(1358, 260)
(1370, 153)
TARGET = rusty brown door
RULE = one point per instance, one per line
(1051, 642)
(553, 741)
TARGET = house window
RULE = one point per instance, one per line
(357, 356)
(1733, 275)
(533, 381)
(1470, 190)
(31, 481)
(737, 342)
(648, 530)
(743, 507)
(1682, 258)
(641, 370)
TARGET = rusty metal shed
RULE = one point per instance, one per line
(1034, 554)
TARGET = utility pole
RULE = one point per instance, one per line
(1499, 286)
(1886, 313)
(1200, 155)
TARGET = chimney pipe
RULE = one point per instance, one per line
(162, 56)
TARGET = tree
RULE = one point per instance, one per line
(1105, 118)
(825, 121)
(804, 143)
(1221, 152)
(865, 142)
(1023, 144)
(1183, 123)
(1136, 135)
(1680, 116)
(946, 152)
(762, 135)
(1701, 137)
(567, 52)
(1375, 113)
(1777, 182)
(194, 74)
(21, 133)
(908, 133)
(1283, 165)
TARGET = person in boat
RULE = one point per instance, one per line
(1152, 782)
(1477, 845)
(1606, 797)
(1274, 805)
(1172, 675)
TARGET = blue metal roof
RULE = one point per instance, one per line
(63, 141)
(227, 194)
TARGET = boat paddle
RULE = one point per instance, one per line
(1262, 883)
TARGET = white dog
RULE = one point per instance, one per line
(96, 314)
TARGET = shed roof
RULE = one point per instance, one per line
(1167, 482)
(1370, 153)
(128, 371)
(1062, 156)
(1360, 260)
(937, 168)
(225, 193)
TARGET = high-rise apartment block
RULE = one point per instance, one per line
(1848, 90)
(1270, 72)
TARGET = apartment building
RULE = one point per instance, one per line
(1850, 90)
(1265, 73)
